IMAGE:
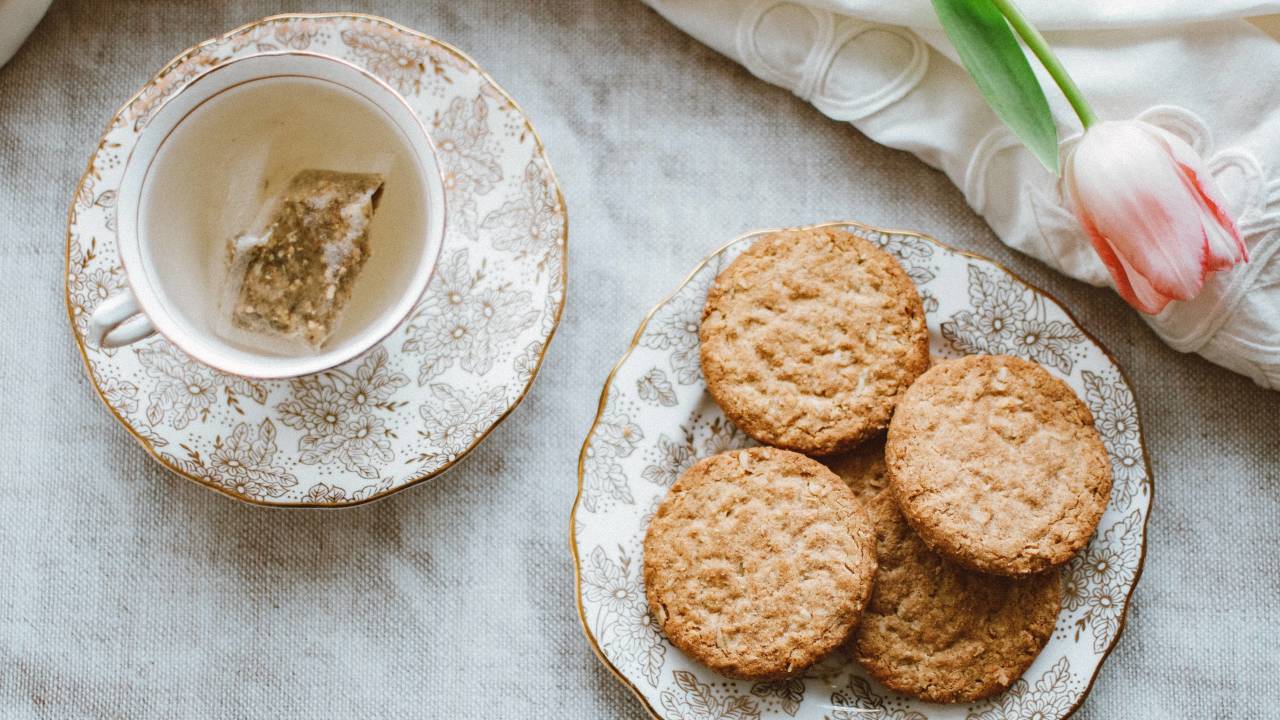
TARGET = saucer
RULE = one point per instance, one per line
(656, 418)
(414, 405)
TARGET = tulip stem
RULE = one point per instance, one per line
(1040, 48)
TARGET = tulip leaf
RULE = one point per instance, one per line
(991, 53)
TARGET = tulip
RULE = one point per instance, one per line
(1152, 212)
(1144, 196)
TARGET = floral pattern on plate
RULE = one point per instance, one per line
(656, 419)
(421, 400)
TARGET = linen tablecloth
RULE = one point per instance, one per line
(128, 592)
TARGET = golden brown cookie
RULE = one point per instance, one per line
(758, 562)
(997, 465)
(862, 468)
(810, 337)
(943, 633)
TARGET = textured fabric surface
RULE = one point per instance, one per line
(129, 592)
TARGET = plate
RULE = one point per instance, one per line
(417, 403)
(656, 418)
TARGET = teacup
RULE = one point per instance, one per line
(215, 152)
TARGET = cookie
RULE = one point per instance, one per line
(997, 465)
(810, 337)
(941, 632)
(862, 469)
(758, 562)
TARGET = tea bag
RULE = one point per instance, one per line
(292, 279)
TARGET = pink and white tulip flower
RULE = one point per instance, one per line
(1151, 209)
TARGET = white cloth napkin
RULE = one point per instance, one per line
(1201, 70)
(17, 19)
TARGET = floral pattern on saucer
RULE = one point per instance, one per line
(656, 419)
(421, 400)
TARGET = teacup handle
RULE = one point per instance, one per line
(118, 321)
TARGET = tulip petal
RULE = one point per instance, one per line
(1130, 285)
(1150, 300)
(1225, 246)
